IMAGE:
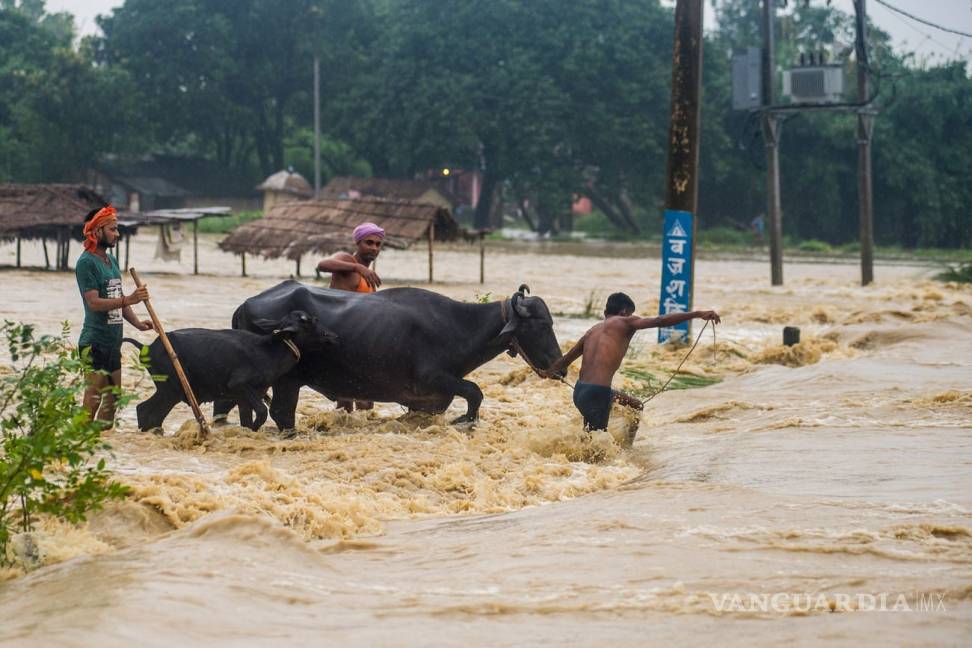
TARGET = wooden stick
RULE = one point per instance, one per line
(431, 245)
(190, 396)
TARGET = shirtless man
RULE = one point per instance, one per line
(352, 271)
(603, 348)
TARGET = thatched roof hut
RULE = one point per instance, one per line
(42, 210)
(45, 211)
(419, 191)
(324, 226)
(283, 187)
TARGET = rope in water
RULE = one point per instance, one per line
(516, 348)
(677, 369)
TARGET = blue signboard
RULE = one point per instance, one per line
(676, 284)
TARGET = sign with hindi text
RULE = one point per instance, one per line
(676, 284)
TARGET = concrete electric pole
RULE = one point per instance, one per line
(771, 138)
(865, 129)
(682, 181)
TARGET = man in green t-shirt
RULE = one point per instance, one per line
(99, 280)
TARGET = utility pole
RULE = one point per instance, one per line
(682, 189)
(771, 138)
(317, 126)
(865, 129)
(682, 181)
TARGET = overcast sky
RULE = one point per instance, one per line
(929, 43)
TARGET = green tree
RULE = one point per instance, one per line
(228, 74)
(58, 111)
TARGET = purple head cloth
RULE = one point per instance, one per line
(367, 229)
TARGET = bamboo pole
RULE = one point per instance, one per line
(190, 396)
(195, 246)
(431, 245)
(482, 257)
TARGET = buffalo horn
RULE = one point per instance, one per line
(519, 308)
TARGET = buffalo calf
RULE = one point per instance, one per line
(232, 365)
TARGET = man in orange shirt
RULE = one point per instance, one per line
(352, 271)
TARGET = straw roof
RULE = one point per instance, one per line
(33, 210)
(325, 225)
(287, 181)
(390, 188)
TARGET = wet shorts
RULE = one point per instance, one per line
(103, 359)
(594, 403)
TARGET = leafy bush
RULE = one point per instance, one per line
(223, 224)
(724, 236)
(813, 245)
(961, 273)
(49, 444)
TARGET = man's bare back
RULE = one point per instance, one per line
(604, 347)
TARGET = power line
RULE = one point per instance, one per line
(922, 20)
(928, 38)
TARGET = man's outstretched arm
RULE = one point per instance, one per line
(672, 319)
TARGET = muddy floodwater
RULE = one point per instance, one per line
(821, 492)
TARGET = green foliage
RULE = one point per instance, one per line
(961, 273)
(649, 383)
(592, 305)
(814, 245)
(550, 99)
(717, 236)
(58, 112)
(223, 224)
(50, 461)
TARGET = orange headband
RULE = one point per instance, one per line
(104, 216)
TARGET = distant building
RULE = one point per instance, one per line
(171, 182)
(284, 187)
(138, 193)
(416, 191)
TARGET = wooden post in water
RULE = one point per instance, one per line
(195, 246)
(482, 257)
(18, 250)
(47, 258)
(431, 245)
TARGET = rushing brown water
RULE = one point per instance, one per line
(816, 492)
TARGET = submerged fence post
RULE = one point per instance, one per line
(431, 244)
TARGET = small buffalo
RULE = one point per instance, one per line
(232, 365)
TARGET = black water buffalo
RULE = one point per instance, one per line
(402, 345)
(235, 365)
